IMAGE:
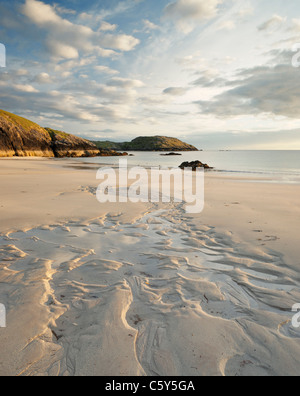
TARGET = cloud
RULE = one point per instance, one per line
(25, 88)
(13, 88)
(101, 104)
(150, 25)
(107, 27)
(56, 66)
(295, 25)
(207, 81)
(63, 10)
(40, 13)
(187, 13)
(273, 23)
(226, 25)
(121, 42)
(106, 53)
(65, 40)
(175, 91)
(125, 83)
(62, 50)
(95, 19)
(43, 78)
(105, 70)
(113, 92)
(270, 90)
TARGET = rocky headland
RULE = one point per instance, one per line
(20, 137)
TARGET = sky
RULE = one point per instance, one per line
(219, 74)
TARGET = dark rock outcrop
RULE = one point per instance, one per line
(194, 165)
(170, 154)
(111, 153)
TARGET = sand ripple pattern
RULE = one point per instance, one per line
(160, 296)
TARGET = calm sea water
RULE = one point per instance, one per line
(272, 166)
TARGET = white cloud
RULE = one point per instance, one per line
(105, 70)
(107, 27)
(121, 42)
(150, 25)
(65, 39)
(61, 50)
(187, 13)
(106, 53)
(25, 88)
(43, 78)
(295, 25)
(40, 13)
(125, 83)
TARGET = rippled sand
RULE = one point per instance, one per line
(160, 293)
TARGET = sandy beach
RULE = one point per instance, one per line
(145, 289)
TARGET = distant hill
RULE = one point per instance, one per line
(107, 145)
(23, 138)
(146, 143)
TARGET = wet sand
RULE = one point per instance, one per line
(145, 289)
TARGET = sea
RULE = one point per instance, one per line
(265, 166)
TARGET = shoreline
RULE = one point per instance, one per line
(258, 176)
(145, 289)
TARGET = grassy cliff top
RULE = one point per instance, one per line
(48, 133)
(23, 122)
(107, 145)
(53, 132)
(160, 143)
(149, 143)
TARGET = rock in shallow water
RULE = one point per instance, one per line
(194, 165)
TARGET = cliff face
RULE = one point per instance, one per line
(65, 145)
(23, 138)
